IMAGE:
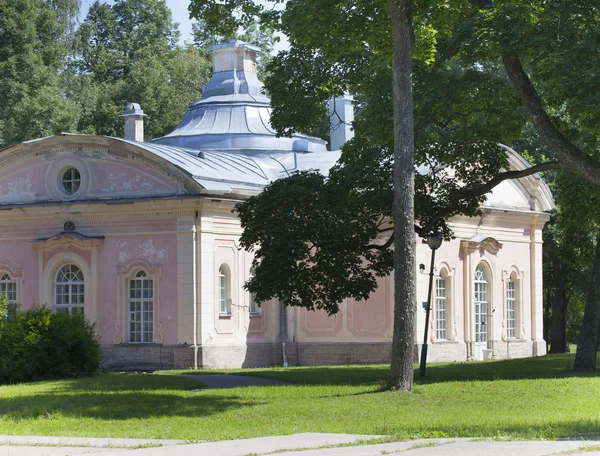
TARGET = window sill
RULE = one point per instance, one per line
(255, 315)
(224, 316)
(138, 343)
(515, 341)
(444, 341)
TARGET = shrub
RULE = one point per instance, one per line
(40, 344)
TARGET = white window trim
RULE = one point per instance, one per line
(140, 276)
(70, 306)
(6, 280)
(124, 275)
(253, 308)
(514, 274)
(440, 279)
(16, 277)
(488, 293)
(224, 302)
(448, 274)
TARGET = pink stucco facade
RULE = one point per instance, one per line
(141, 238)
(136, 214)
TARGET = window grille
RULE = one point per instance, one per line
(511, 309)
(441, 311)
(141, 309)
(69, 290)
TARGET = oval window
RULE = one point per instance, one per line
(71, 180)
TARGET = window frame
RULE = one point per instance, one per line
(224, 290)
(146, 286)
(72, 180)
(515, 276)
(69, 284)
(438, 308)
(485, 270)
(253, 305)
(124, 274)
(7, 279)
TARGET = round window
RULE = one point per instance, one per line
(71, 180)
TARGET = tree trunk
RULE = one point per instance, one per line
(401, 371)
(568, 154)
(585, 359)
(558, 342)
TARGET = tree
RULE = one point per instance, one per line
(546, 49)
(34, 40)
(339, 46)
(128, 52)
(264, 38)
(466, 48)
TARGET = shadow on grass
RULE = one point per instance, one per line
(549, 366)
(117, 397)
(117, 406)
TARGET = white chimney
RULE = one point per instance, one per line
(134, 122)
(341, 116)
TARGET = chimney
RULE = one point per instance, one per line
(341, 114)
(134, 122)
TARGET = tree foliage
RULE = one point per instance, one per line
(128, 52)
(34, 42)
(478, 68)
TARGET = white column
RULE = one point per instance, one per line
(186, 280)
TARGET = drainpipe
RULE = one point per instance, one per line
(283, 325)
(196, 297)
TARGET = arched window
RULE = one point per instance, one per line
(69, 290)
(441, 308)
(512, 306)
(254, 307)
(224, 291)
(141, 309)
(8, 287)
(481, 304)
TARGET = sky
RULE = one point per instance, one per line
(179, 8)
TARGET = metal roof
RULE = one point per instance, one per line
(234, 114)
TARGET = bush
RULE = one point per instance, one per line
(40, 344)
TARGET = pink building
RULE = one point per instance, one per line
(140, 237)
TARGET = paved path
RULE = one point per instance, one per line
(234, 381)
(13, 445)
(300, 445)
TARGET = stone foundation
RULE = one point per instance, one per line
(129, 357)
(445, 352)
(134, 357)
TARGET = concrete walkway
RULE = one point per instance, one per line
(290, 445)
(13, 445)
(234, 381)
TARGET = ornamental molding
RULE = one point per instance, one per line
(67, 240)
(161, 170)
(106, 216)
(487, 244)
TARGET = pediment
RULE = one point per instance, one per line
(105, 169)
(68, 239)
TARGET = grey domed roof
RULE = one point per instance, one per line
(233, 114)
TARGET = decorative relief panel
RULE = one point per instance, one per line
(318, 323)
(372, 317)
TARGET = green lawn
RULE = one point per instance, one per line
(530, 398)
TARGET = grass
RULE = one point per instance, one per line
(528, 398)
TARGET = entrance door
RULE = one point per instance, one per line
(481, 312)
